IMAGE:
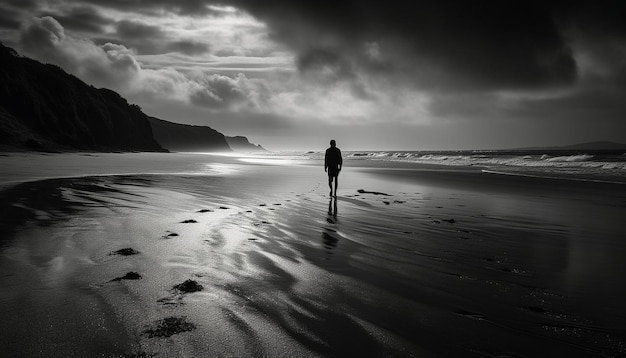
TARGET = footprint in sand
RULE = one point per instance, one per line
(169, 235)
(125, 252)
(188, 286)
(168, 327)
(129, 276)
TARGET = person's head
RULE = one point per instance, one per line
(333, 143)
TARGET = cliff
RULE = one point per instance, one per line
(187, 138)
(241, 144)
(44, 108)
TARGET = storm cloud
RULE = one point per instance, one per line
(149, 39)
(478, 45)
(495, 69)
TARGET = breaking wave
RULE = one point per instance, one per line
(569, 163)
(570, 158)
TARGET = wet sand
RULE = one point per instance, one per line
(252, 259)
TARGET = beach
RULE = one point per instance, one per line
(180, 254)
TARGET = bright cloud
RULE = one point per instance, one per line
(213, 84)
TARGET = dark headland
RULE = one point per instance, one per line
(44, 108)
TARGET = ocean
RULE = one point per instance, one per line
(589, 165)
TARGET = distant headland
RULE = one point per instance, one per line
(599, 145)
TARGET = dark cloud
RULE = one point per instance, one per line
(9, 19)
(218, 91)
(605, 19)
(330, 64)
(23, 4)
(83, 18)
(150, 40)
(127, 29)
(156, 7)
(187, 47)
(434, 44)
(597, 105)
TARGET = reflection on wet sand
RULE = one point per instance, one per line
(328, 236)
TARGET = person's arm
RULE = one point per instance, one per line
(326, 161)
(340, 159)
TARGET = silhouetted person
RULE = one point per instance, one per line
(332, 165)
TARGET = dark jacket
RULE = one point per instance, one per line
(332, 159)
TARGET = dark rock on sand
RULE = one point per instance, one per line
(129, 276)
(169, 326)
(188, 286)
(451, 221)
(125, 252)
(223, 207)
(169, 235)
(371, 192)
(386, 202)
(189, 221)
(205, 210)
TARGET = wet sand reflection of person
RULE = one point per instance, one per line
(332, 208)
(328, 236)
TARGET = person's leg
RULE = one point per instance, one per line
(330, 184)
(336, 184)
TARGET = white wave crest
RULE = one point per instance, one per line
(571, 158)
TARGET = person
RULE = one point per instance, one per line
(332, 165)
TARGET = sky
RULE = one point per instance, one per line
(374, 75)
